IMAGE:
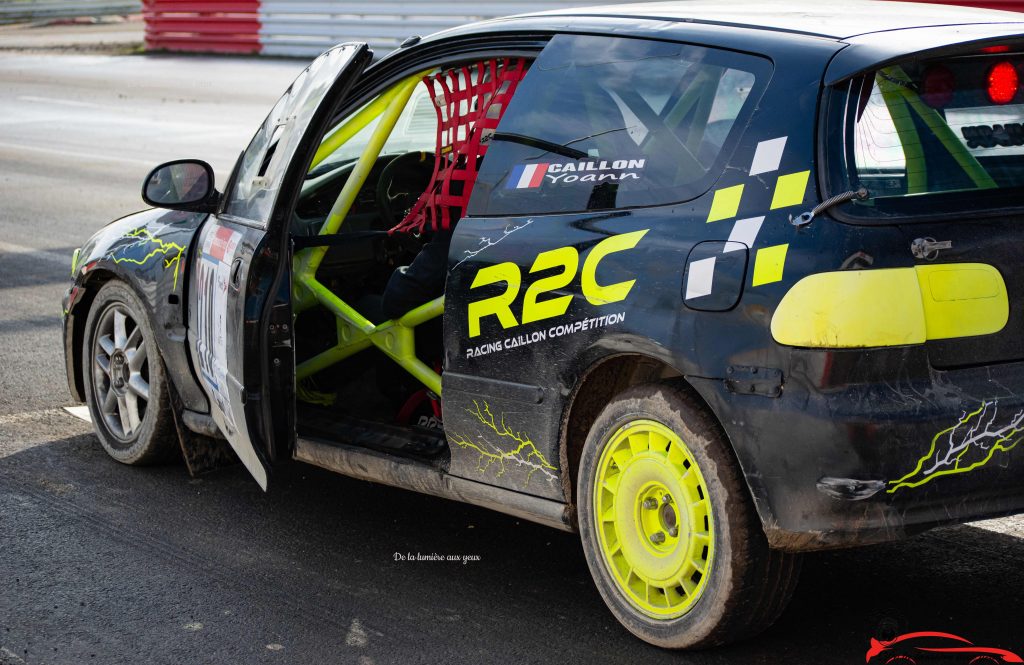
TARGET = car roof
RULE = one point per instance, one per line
(810, 17)
(862, 34)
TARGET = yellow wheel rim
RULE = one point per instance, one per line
(653, 519)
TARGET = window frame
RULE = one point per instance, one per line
(835, 139)
(380, 76)
(296, 134)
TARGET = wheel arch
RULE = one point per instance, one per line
(150, 251)
(202, 448)
(77, 315)
(597, 385)
(170, 337)
(749, 585)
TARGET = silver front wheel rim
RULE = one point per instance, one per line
(120, 372)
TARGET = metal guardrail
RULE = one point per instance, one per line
(299, 27)
(35, 10)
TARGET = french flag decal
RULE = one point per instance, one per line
(526, 176)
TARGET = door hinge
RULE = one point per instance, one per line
(279, 330)
(280, 335)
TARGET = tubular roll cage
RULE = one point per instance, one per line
(396, 337)
(901, 100)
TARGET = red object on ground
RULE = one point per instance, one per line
(214, 26)
(468, 112)
(931, 642)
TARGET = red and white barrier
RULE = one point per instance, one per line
(210, 26)
(309, 27)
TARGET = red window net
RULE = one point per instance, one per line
(469, 101)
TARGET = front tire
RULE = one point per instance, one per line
(126, 389)
(668, 527)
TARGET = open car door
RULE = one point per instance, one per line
(238, 262)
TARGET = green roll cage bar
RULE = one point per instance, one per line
(396, 337)
(901, 100)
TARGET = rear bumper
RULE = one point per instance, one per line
(845, 458)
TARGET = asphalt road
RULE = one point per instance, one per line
(101, 563)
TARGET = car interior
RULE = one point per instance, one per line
(388, 184)
(389, 181)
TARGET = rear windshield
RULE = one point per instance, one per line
(928, 137)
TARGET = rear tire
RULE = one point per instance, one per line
(691, 570)
(125, 386)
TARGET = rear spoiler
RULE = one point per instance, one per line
(873, 50)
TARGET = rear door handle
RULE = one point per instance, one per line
(928, 248)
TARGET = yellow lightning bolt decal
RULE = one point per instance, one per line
(162, 248)
(524, 454)
(980, 435)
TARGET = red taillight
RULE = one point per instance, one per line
(937, 87)
(1000, 48)
(1002, 83)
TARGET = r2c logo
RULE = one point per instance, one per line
(566, 258)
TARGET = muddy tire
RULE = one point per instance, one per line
(125, 385)
(671, 538)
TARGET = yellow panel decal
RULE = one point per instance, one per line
(768, 264)
(790, 189)
(726, 203)
(963, 300)
(855, 308)
(892, 307)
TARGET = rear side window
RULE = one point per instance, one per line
(603, 122)
(927, 137)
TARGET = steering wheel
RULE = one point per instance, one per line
(401, 184)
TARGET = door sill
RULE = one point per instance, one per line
(322, 424)
(426, 478)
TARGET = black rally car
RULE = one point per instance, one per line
(710, 285)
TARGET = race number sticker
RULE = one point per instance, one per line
(213, 275)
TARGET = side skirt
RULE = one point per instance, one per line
(366, 464)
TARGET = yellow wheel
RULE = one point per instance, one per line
(668, 526)
(653, 518)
